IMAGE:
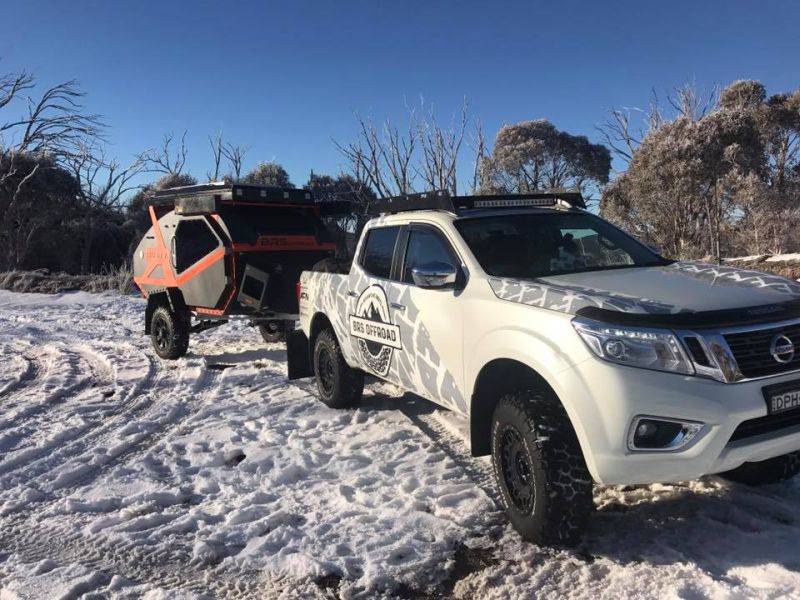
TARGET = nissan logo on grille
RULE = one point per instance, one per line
(781, 348)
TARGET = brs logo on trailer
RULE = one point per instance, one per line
(376, 335)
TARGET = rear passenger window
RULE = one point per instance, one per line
(379, 250)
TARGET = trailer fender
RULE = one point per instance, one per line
(170, 297)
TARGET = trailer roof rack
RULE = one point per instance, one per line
(442, 200)
(235, 193)
(207, 198)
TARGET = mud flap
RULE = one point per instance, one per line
(299, 356)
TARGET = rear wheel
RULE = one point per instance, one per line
(539, 469)
(169, 332)
(339, 385)
(766, 472)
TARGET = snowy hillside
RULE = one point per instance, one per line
(125, 476)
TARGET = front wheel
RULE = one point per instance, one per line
(169, 332)
(773, 470)
(339, 385)
(544, 485)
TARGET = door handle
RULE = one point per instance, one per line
(398, 306)
(352, 294)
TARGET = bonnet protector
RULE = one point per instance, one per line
(750, 315)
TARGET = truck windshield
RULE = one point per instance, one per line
(532, 245)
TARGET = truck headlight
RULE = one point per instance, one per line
(657, 349)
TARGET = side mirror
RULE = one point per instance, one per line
(435, 275)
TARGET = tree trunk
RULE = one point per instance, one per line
(86, 250)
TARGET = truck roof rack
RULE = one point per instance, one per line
(442, 200)
(207, 198)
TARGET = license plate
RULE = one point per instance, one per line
(783, 397)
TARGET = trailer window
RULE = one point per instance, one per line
(193, 240)
(379, 251)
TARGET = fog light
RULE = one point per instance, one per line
(646, 430)
(661, 434)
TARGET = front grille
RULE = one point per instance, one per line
(751, 351)
(766, 424)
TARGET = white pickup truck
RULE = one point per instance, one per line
(578, 354)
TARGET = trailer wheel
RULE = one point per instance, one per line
(275, 331)
(539, 469)
(339, 385)
(169, 332)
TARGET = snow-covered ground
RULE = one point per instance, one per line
(125, 476)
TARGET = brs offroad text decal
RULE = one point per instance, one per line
(377, 336)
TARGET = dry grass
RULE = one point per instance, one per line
(43, 281)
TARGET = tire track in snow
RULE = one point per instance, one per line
(125, 404)
(42, 416)
(33, 535)
(425, 416)
(141, 442)
(169, 568)
(80, 468)
(53, 373)
(23, 377)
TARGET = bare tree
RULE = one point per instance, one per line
(694, 104)
(382, 156)
(54, 124)
(13, 84)
(165, 159)
(479, 147)
(235, 157)
(618, 132)
(217, 146)
(440, 149)
(16, 175)
(35, 146)
(102, 185)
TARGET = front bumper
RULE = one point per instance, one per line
(602, 400)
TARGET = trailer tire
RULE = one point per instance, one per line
(169, 332)
(276, 331)
(542, 479)
(339, 385)
(766, 472)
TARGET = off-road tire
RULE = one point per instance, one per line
(773, 470)
(169, 332)
(276, 331)
(339, 385)
(561, 502)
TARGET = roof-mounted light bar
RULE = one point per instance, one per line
(441, 200)
(514, 202)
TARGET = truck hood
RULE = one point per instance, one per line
(675, 288)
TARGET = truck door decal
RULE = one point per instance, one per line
(376, 336)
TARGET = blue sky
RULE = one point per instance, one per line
(286, 78)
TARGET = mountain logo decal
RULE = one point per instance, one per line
(376, 336)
